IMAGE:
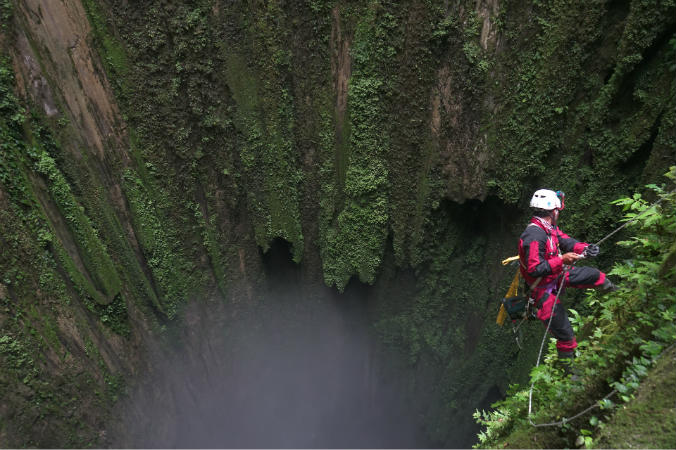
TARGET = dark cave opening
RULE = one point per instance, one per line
(301, 369)
(278, 264)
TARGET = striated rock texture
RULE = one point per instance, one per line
(150, 153)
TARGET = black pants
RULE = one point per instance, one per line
(576, 277)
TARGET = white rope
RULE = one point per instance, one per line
(530, 393)
(544, 338)
(542, 345)
(581, 413)
(569, 419)
(632, 220)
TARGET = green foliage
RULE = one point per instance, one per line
(425, 37)
(43, 289)
(441, 324)
(113, 384)
(223, 106)
(210, 240)
(24, 153)
(623, 334)
(94, 253)
(113, 53)
(269, 157)
(236, 138)
(12, 114)
(582, 97)
(17, 358)
(161, 247)
(113, 315)
(6, 13)
(356, 243)
(471, 47)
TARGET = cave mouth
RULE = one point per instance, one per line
(301, 369)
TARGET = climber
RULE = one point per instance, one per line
(546, 254)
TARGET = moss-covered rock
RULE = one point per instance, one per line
(649, 421)
(149, 152)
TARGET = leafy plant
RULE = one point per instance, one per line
(620, 337)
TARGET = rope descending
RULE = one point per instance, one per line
(613, 392)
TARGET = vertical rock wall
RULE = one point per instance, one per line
(150, 152)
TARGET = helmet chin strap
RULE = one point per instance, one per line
(554, 217)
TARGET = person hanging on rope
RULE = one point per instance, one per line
(546, 256)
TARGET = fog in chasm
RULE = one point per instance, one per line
(291, 371)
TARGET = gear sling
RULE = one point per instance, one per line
(513, 305)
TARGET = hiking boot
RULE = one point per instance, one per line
(608, 286)
(566, 364)
(565, 361)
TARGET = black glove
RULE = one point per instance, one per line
(592, 250)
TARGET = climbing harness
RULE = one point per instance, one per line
(544, 338)
(520, 308)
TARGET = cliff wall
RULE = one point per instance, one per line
(151, 153)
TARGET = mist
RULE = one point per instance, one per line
(298, 369)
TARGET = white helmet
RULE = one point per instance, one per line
(545, 199)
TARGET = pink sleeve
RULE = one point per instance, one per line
(579, 247)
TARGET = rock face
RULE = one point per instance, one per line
(150, 156)
(60, 33)
(463, 151)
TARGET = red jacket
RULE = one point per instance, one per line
(540, 248)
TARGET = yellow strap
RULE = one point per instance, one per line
(502, 315)
(509, 260)
(512, 292)
(514, 287)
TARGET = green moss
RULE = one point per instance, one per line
(170, 268)
(17, 162)
(227, 120)
(356, 242)
(113, 53)
(416, 185)
(650, 420)
(444, 326)
(98, 207)
(113, 384)
(577, 107)
(46, 327)
(264, 116)
(93, 252)
(6, 13)
(235, 138)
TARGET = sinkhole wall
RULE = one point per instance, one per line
(149, 154)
